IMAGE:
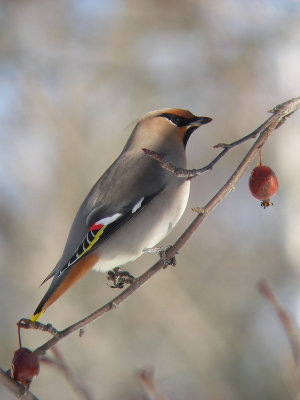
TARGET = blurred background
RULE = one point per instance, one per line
(73, 75)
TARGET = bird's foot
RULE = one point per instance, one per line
(162, 252)
(119, 278)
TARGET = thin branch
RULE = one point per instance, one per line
(59, 362)
(28, 324)
(286, 321)
(280, 113)
(15, 388)
(146, 377)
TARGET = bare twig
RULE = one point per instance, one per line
(28, 324)
(59, 362)
(14, 387)
(280, 113)
(146, 377)
(286, 321)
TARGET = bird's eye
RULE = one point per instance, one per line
(175, 119)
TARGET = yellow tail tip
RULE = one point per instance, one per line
(36, 317)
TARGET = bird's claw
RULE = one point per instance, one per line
(162, 252)
(119, 278)
(164, 258)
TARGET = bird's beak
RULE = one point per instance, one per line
(198, 121)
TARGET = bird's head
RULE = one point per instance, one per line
(168, 125)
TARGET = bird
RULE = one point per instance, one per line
(132, 207)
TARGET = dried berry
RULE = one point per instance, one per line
(263, 184)
(25, 366)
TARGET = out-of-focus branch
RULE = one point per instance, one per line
(280, 113)
(287, 323)
(59, 362)
(146, 377)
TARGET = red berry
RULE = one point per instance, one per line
(263, 184)
(25, 366)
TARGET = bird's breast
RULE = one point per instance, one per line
(147, 228)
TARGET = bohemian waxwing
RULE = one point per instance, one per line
(133, 206)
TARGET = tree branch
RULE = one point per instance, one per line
(59, 362)
(15, 388)
(146, 377)
(287, 323)
(280, 113)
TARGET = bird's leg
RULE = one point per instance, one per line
(162, 252)
(119, 278)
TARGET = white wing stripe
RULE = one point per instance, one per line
(137, 206)
(108, 220)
